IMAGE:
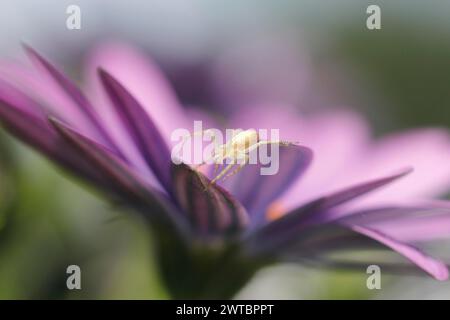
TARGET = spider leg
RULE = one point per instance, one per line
(284, 143)
(204, 162)
(223, 172)
(217, 160)
(267, 142)
(237, 169)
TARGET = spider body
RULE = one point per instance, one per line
(243, 140)
(235, 153)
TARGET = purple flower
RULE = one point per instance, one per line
(210, 242)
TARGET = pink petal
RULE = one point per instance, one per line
(21, 116)
(256, 191)
(141, 128)
(434, 267)
(142, 79)
(41, 84)
(122, 178)
(425, 222)
(426, 150)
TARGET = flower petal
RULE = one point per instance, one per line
(256, 191)
(318, 211)
(420, 223)
(389, 267)
(434, 267)
(22, 117)
(141, 128)
(143, 79)
(210, 208)
(123, 180)
(323, 204)
(314, 242)
(412, 224)
(75, 95)
(427, 150)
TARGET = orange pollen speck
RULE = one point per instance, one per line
(275, 211)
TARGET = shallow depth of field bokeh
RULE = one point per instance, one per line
(320, 55)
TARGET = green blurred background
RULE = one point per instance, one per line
(398, 77)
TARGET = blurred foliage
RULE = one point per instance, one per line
(49, 223)
(408, 69)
